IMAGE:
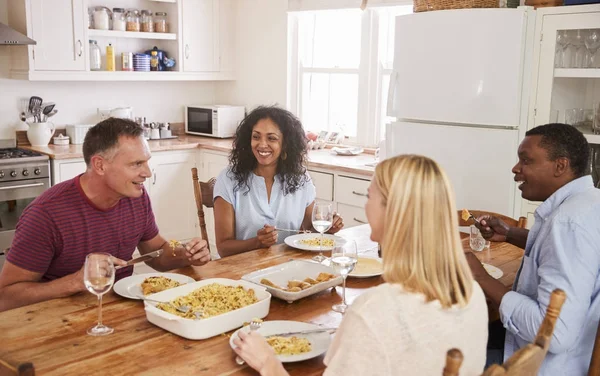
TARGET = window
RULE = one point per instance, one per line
(340, 66)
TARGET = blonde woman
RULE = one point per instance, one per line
(429, 303)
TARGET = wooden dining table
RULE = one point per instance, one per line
(52, 334)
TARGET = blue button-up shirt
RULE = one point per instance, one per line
(562, 251)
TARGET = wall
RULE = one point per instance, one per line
(77, 101)
(261, 55)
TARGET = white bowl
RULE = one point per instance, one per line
(212, 326)
(298, 270)
(61, 141)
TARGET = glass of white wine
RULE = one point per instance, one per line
(322, 219)
(98, 277)
(476, 241)
(343, 259)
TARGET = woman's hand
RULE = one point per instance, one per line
(338, 224)
(257, 353)
(196, 251)
(267, 236)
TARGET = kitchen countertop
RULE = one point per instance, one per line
(323, 158)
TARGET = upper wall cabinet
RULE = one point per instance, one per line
(57, 26)
(199, 36)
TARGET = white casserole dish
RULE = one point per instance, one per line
(212, 326)
(297, 269)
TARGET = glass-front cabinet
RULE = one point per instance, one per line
(566, 76)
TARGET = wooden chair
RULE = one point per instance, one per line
(595, 362)
(21, 369)
(528, 359)
(203, 193)
(520, 223)
(454, 359)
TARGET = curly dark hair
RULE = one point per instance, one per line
(105, 136)
(291, 170)
(564, 141)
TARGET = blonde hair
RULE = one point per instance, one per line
(421, 244)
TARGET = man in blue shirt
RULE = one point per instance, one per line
(562, 250)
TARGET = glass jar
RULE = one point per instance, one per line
(133, 20)
(95, 56)
(101, 18)
(119, 19)
(160, 22)
(147, 25)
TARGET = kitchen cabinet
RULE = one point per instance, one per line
(200, 39)
(558, 87)
(57, 27)
(323, 183)
(65, 169)
(351, 197)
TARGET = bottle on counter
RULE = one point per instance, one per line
(110, 58)
(95, 56)
(154, 61)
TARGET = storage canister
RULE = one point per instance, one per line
(127, 61)
(147, 25)
(95, 56)
(77, 132)
(102, 18)
(119, 19)
(133, 20)
(160, 22)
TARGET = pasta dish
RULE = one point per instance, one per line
(289, 345)
(210, 300)
(465, 215)
(367, 265)
(317, 241)
(153, 285)
(174, 244)
(295, 285)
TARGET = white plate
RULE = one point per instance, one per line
(212, 326)
(295, 241)
(367, 273)
(129, 287)
(299, 270)
(347, 151)
(493, 271)
(318, 341)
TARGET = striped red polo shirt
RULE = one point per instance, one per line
(61, 226)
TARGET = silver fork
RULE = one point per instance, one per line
(182, 308)
(254, 325)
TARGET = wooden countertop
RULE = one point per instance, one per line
(316, 158)
(52, 335)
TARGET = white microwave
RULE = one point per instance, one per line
(219, 121)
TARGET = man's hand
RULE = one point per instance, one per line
(267, 236)
(492, 228)
(196, 251)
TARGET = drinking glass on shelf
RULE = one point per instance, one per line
(343, 259)
(592, 43)
(476, 241)
(562, 44)
(579, 50)
(322, 219)
(98, 277)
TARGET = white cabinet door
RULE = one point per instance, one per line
(62, 171)
(212, 165)
(172, 194)
(226, 39)
(57, 27)
(323, 183)
(198, 26)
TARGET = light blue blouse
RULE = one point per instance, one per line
(253, 209)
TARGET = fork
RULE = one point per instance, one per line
(254, 326)
(182, 308)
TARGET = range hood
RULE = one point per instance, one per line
(9, 36)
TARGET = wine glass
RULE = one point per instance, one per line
(476, 241)
(98, 277)
(322, 219)
(562, 43)
(343, 259)
(592, 43)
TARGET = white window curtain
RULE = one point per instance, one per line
(306, 5)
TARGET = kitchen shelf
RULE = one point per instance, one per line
(576, 73)
(131, 34)
(122, 76)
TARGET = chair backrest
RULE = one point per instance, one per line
(203, 195)
(528, 359)
(595, 362)
(454, 359)
(21, 369)
(521, 222)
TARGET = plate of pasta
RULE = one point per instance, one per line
(139, 285)
(314, 242)
(291, 348)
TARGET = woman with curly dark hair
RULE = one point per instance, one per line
(266, 186)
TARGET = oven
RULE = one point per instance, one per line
(24, 175)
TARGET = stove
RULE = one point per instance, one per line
(24, 175)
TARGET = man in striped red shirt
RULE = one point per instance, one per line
(106, 209)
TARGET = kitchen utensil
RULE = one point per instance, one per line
(52, 113)
(298, 333)
(182, 308)
(33, 103)
(290, 230)
(254, 325)
(143, 258)
(47, 107)
(22, 116)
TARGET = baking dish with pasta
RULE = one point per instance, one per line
(295, 280)
(219, 320)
